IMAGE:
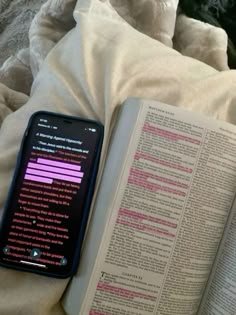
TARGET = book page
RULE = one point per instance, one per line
(220, 296)
(167, 216)
(118, 143)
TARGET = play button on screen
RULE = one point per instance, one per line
(35, 253)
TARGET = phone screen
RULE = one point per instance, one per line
(45, 216)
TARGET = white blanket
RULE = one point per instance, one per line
(88, 72)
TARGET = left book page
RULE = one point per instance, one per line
(165, 200)
(118, 145)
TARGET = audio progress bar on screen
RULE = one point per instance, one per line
(34, 264)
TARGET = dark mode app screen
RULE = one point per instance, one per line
(45, 208)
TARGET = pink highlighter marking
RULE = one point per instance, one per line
(39, 179)
(55, 169)
(59, 164)
(53, 175)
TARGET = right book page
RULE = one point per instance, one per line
(220, 295)
(167, 214)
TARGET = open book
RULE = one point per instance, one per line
(162, 238)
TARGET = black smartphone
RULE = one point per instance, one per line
(46, 212)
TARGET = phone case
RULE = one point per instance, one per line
(88, 199)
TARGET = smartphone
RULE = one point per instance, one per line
(46, 212)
